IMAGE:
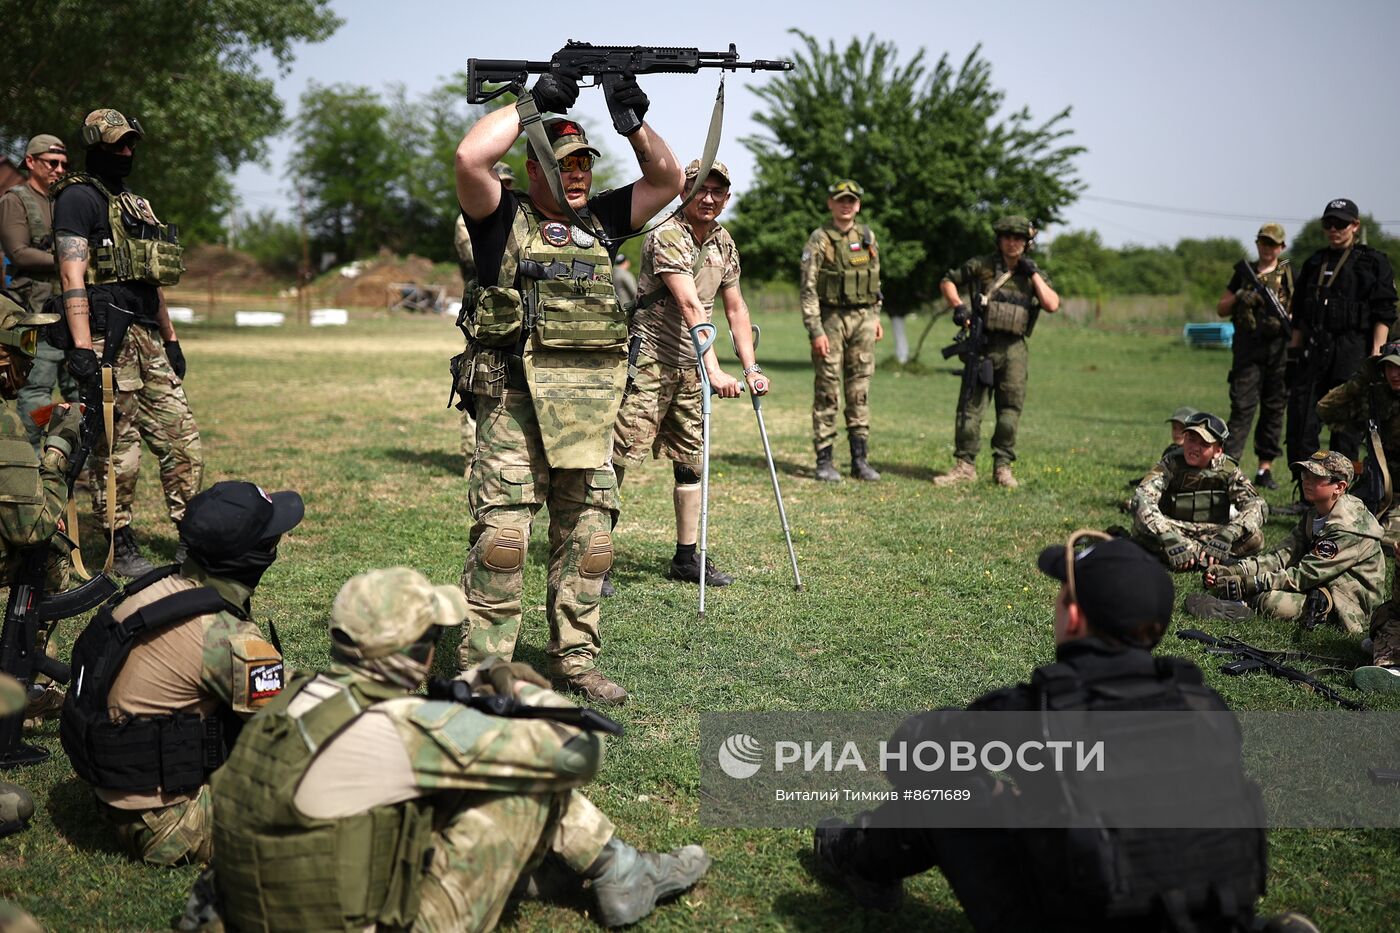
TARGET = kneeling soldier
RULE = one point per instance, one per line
(165, 674)
(352, 804)
(1182, 509)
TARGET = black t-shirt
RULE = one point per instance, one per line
(611, 211)
(81, 210)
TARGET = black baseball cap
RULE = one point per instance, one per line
(1342, 208)
(1118, 585)
(230, 518)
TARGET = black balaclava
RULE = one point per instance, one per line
(246, 568)
(105, 164)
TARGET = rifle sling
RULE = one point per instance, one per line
(109, 405)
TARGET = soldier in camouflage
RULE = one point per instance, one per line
(687, 261)
(1195, 508)
(840, 293)
(1014, 292)
(214, 666)
(1258, 374)
(546, 365)
(351, 803)
(115, 253)
(1330, 568)
(26, 236)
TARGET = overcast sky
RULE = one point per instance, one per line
(1217, 115)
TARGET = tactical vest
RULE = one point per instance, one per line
(1198, 495)
(1325, 308)
(35, 289)
(21, 483)
(140, 754)
(1094, 870)
(1261, 322)
(141, 248)
(280, 870)
(1008, 310)
(852, 279)
(557, 329)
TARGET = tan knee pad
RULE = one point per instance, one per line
(598, 556)
(504, 550)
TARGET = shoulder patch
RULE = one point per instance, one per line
(258, 672)
(1325, 549)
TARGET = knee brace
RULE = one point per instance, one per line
(503, 550)
(597, 556)
(685, 475)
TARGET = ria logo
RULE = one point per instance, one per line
(740, 756)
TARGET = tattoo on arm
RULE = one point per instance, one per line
(72, 249)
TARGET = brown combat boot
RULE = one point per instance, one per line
(1003, 476)
(593, 685)
(962, 472)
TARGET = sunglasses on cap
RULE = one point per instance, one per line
(576, 163)
(1390, 349)
(1336, 223)
(1210, 422)
(26, 340)
(844, 187)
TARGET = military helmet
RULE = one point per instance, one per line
(1016, 224)
(382, 612)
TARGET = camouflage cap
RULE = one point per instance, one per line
(12, 695)
(1183, 414)
(381, 612)
(113, 126)
(566, 137)
(1017, 224)
(43, 143)
(1390, 352)
(15, 316)
(503, 171)
(716, 168)
(846, 188)
(1208, 428)
(1272, 232)
(1330, 465)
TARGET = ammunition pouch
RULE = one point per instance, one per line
(500, 313)
(574, 324)
(1201, 505)
(1009, 313)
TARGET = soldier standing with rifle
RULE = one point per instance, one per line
(114, 257)
(1257, 300)
(1014, 292)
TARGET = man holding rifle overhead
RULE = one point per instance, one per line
(547, 364)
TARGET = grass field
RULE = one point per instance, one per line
(916, 597)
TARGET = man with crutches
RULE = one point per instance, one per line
(687, 262)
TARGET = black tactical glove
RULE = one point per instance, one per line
(65, 429)
(1216, 549)
(1249, 296)
(961, 315)
(1027, 267)
(557, 91)
(176, 356)
(626, 93)
(83, 364)
(1180, 553)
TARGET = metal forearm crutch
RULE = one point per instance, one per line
(772, 469)
(702, 337)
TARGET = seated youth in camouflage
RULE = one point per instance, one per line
(1372, 395)
(1330, 568)
(687, 261)
(165, 674)
(351, 803)
(1195, 508)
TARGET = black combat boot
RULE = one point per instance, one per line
(826, 472)
(830, 841)
(860, 467)
(127, 559)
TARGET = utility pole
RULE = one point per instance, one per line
(304, 275)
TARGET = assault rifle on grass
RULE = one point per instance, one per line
(1251, 278)
(1249, 658)
(580, 717)
(970, 346)
(609, 64)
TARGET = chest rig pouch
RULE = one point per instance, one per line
(141, 754)
(1197, 495)
(1008, 310)
(142, 249)
(853, 278)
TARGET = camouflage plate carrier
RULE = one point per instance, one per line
(853, 279)
(1198, 495)
(142, 249)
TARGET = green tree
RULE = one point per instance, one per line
(928, 145)
(1146, 270)
(188, 71)
(1208, 265)
(1078, 262)
(275, 243)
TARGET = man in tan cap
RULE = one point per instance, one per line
(1258, 373)
(26, 236)
(840, 292)
(687, 261)
(351, 803)
(547, 394)
(115, 256)
(1195, 508)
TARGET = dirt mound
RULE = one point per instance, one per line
(230, 269)
(370, 286)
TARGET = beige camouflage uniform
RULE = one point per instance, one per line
(850, 328)
(203, 664)
(1176, 483)
(16, 806)
(661, 414)
(466, 261)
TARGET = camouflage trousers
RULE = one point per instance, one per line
(1009, 356)
(16, 807)
(47, 372)
(468, 434)
(488, 840)
(1244, 546)
(1348, 611)
(510, 480)
(662, 415)
(1257, 383)
(182, 832)
(152, 406)
(846, 369)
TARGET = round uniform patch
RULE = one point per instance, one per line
(555, 234)
(582, 238)
(1325, 549)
